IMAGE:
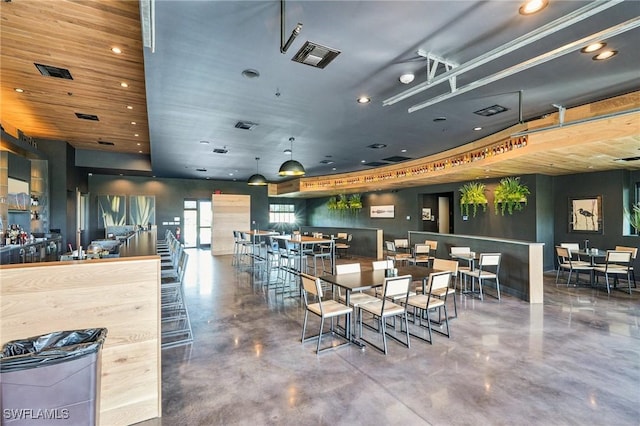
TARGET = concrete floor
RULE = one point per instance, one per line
(574, 360)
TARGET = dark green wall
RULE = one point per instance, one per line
(170, 194)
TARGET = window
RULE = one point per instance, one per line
(282, 213)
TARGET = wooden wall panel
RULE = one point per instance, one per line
(121, 295)
(229, 212)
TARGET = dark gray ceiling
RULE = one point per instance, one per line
(196, 91)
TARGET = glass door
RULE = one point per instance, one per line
(204, 224)
(197, 223)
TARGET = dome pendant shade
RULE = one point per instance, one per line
(291, 168)
(257, 180)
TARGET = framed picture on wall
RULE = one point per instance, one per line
(382, 212)
(142, 210)
(585, 214)
(111, 210)
(426, 214)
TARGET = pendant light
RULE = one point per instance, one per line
(257, 179)
(291, 167)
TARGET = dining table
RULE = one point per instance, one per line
(592, 254)
(303, 242)
(368, 279)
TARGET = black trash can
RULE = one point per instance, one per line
(52, 379)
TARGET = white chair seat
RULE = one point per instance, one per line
(480, 274)
(390, 309)
(330, 308)
(356, 299)
(423, 301)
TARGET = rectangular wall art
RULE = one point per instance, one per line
(142, 210)
(111, 210)
(382, 212)
(585, 214)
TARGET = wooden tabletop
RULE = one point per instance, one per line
(368, 279)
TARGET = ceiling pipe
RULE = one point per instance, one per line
(285, 46)
(576, 16)
(568, 48)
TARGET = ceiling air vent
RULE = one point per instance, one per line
(326, 162)
(87, 116)
(377, 146)
(201, 170)
(375, 164)
(628, 159)
(51, 71)
(106, 143)
(315, 55)
(397, 158)
(492, 110)
(220, 150)
(246, 125)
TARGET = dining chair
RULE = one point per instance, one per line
(465, 251)
(420, 255)
(574, 248)
(567, 263)
(385, 308)
(326, 309)
(450, 266)
(423, 303)
(433, 245)
(393, 254)
(618, 264)
(342, 248)
(488, 269)
(356, 298)
(634, 253)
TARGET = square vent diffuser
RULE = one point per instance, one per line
(51, 71)
(315, 55)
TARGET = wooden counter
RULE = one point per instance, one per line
(120, 294)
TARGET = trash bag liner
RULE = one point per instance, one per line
(49, 349)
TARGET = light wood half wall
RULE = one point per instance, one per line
(594, 137)
(121, 295)
(229, 213)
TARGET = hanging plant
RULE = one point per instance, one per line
(510, 195)
(355, 202)
(634, 216)
(332, 204)
(472, 194)
(343, 202)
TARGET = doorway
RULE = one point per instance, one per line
(197, 223)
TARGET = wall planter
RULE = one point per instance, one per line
(510, 195)
(343, 204)
(472, 194)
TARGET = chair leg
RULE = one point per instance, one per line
(382, 326)
(320, 334)
(304, 324)
(498, 286)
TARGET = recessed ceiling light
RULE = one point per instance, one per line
(407, 78)
(477, 128)
(532, 6)
(403, 150)
(230, 174)
(363, 161)
(129, 107)
(204, 142)
(250, 73)
(136, 135)
(133, 123)
(116, 50)
(138, 144)
(605, 55)
(140, 152)
(123, 84)
(287, 151)
(333, 168)
(593, 47)
(19, 90)
(364, 100)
